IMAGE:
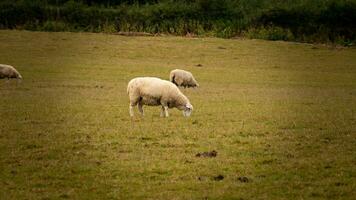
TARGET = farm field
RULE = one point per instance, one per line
(281, 117)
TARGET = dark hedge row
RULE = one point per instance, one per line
(336, 22)
(307, 21)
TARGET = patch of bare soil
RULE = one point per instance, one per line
(209, 154)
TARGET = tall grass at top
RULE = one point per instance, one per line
(297, 20)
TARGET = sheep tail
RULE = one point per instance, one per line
(128, 88)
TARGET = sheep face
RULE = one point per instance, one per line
(193, 85)
(187, 110)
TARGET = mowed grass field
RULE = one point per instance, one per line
(281, 117)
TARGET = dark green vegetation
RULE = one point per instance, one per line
(281, 117)
(294, 20)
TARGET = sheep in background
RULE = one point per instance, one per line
(8, 71)
(153, 91)
(183, 78)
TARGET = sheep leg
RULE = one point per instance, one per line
(134, 100)
(139, 106)
(132, 105)
(166, 111)
(131, 110)
(162, 111)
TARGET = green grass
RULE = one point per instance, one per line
(281, 114)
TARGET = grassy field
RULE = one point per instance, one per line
(281, 116)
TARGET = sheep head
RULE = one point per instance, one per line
(187, 111)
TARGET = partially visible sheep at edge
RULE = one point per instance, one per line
(8, 71)
(183, 78)
(153, 91)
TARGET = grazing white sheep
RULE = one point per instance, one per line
(183, 78)
(8, 71)
(153, 91)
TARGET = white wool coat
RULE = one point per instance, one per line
(8, 71)
(153, 91)
(183, 78)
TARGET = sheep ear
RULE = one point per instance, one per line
(188, 106)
